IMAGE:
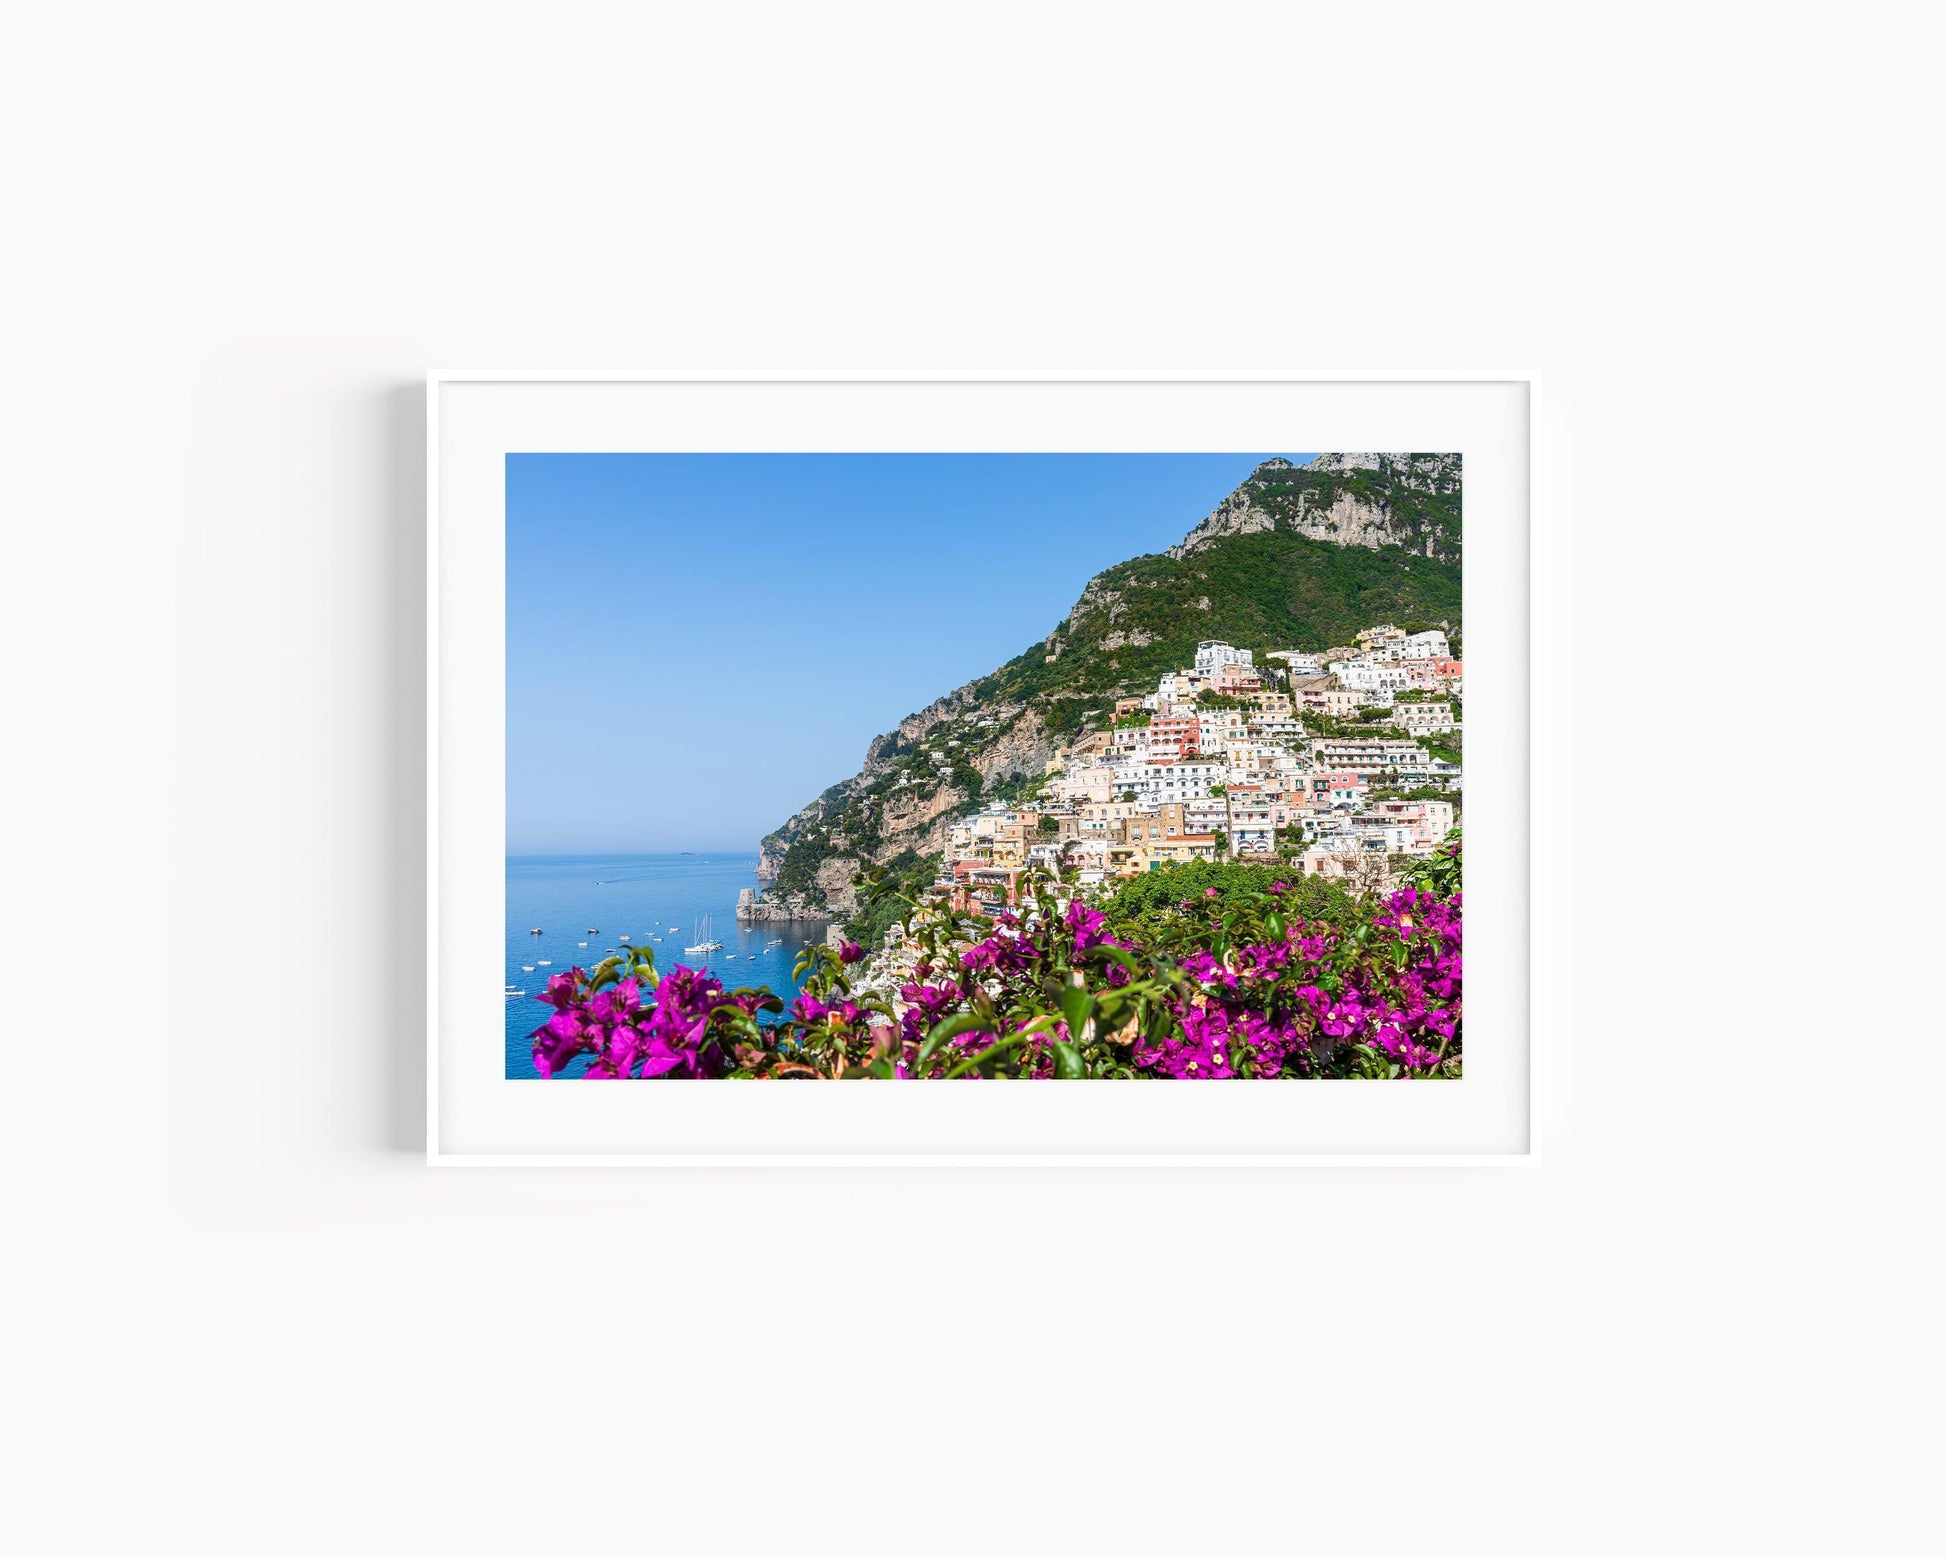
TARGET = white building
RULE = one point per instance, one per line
(1371, 676)
(1276, 729)
(1251, 827)
(1369, 757)
(1297, 664)
(1206, 816)
(1163, 783)
(1210, 654)
(1217, 727)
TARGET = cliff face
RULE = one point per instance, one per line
(1370, 500)
(1298, 557)
(902, 799)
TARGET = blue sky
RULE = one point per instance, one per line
(697, 644)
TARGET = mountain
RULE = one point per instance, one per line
(1376, 500)
(1297, 557)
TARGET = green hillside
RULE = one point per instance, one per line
(1268, 590)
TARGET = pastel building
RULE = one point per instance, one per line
(1423, 718)
(1175, 735)
(1424, 824)
(1332, 702)
(1338, 786)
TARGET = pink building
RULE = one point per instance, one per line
(1176, 735)
(1427, 822)
(1329, 788)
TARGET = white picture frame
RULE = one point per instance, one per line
(476, 1117)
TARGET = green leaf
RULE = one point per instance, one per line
(1076, 1007)
(1112, 954)
(1067, 1063)
(1043, 1024)
(951, 1027)
(986, 1055)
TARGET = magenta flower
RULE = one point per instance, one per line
(1086, 923)
(850, 951)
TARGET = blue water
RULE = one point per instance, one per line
(640, 896)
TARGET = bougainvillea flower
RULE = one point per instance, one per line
(1314, 1000)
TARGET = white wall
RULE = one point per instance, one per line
(244, 1317)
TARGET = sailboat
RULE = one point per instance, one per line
(705, 940)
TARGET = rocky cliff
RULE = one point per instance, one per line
(1371, 500)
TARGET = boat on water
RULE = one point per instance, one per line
(543, 962)
(527, 967)
(533, 932)
(706, 940)
(511, 992)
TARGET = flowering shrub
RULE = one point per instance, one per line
(1233, 981)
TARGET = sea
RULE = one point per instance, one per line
(583, 903)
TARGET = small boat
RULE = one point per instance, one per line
(593, 931)
(543, 962)
(511, 992)
(527, 968)
(581, 943)
(672, 930)
(621, 937)
(705, 940)
(533, 932)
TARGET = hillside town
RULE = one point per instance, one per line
(1336, 762)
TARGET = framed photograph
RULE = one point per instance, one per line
(1078, 768)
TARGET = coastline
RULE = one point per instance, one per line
(754, 909)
